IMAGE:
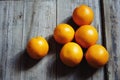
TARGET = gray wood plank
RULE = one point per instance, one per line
(19, 21)
(42, 23)
(13, 36)
(83, 71)
(3, 39)
(112, 27)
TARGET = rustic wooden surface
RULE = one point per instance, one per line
(112, 37)
(22, 19)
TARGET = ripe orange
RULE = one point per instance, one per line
(83, 15)
(64, 33)
(71, 54)
(97, 56)
(86, 36)
(37, 47)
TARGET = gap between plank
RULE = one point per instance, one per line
(103, 35)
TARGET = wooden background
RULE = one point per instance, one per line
(22, 19)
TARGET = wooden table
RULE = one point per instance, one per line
(22, 19)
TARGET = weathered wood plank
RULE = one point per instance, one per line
(14, 40)
(83, 71)
(112, 27)
(3, 39)
(42, 23)
(19, 21)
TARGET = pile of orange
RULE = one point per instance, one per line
(85, 36)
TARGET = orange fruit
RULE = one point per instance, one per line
(64, 33)
(37, 47)
(83, 15)
(86, 36)
(71, 54)
(97, 56)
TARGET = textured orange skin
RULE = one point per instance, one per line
(97, 56)
(83, 15)
(63, 33)
(86, 36)
(37, 47)
(71, 54)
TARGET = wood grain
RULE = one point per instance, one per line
(64, 15)
(112, 27)
(21, 20)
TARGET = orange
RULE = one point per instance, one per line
(83, 15)
(97, 56)
(86, 36)
(71, 54)
(64, 33)
(37, 47)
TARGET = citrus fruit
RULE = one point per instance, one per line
(97, 56)
(71, 54)
(83, 15)
(37, 47)
(64, 33)
(86, 36)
